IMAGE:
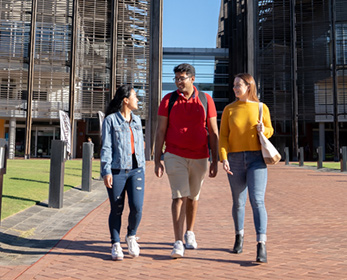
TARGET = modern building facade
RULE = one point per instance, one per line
(297, 52)
(67, 55)
(211, 65)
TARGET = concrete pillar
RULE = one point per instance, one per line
(12, 138)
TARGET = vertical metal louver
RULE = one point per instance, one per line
(275, 58)
(14, 40)
(52, 40)
(314, 58)
(133, 48)
(52, 48)
(93, 51)
(52, 55)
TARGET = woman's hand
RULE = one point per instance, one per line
(260, 127)
(108, 181)
(226, 167)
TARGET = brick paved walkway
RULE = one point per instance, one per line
(307, 235)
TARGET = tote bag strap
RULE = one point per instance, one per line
(260, 111)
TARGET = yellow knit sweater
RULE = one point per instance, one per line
(238, 130)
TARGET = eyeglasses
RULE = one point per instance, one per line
(181, 79)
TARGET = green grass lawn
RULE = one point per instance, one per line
(26, 182)
(326, 164)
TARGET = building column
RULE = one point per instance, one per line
(251, 37)
(31, 72)
(322, 137)
(113, 60)
(72, 82)
(294, 77)
(35, 132)
(155, 74)
(74, 136)
(334, 79)
(12, 138)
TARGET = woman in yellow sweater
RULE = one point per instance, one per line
(240, 152)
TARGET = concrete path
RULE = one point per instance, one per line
(307, 235)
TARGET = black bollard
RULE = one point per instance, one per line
(56, 178)
(3, 163)
(301, 162)
(87, 157)
(344, 159)
(320, 157)
(286, 155)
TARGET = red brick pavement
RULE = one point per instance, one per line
(307, 235)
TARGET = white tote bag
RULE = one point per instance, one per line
(270, 154)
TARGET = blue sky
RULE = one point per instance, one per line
(190, 23)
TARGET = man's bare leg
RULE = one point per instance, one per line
(192, 209)
(178, 209)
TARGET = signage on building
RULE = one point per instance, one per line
(101, 120)
(65, 129)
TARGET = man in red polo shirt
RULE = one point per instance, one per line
(183, 130)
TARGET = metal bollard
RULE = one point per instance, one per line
(56, 178)
(344, 159)
(3, 163)
(320, 157)
(286, 155)
(87, 166)
(301, 162)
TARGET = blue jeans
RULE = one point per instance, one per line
(249, 174)
(132, 182)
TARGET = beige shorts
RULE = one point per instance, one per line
(185, 175)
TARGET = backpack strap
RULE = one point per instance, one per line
(260, 112)
(201, 96)
(172, 101)
(203, 99)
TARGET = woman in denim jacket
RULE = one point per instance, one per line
(122, 167)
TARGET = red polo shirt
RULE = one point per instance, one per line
(186, 135)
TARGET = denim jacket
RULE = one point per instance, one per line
(116, 143)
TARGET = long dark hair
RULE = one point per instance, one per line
(117, 102)
(249, 81)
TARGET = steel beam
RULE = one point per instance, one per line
(334, 77)
(294, 77)
(72, 82)
(113, 66)
(28, 122)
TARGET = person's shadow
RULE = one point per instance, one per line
(150, 246)
(32, 247)
(100, 249)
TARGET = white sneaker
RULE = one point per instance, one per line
(178, 250)
(133, 246)
(117, 252)
(189, 238)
